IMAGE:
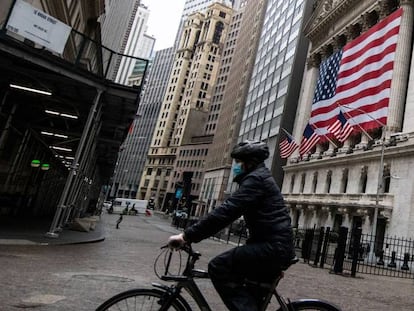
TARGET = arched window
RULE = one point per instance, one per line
(217, 32)
(197, 37)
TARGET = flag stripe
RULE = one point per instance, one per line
(287, 149)
(309, 140)
(341, 128)
(287, 146)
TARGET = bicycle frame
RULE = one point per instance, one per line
(174, 293)
(186, 281)
(162, 297)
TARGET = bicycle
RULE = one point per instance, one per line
(162, 297)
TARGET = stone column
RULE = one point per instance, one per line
(400, 73)
(408, 125)
(305, 101)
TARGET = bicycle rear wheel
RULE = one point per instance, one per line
(311, 304)
(138, 299)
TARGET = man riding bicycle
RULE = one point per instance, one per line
(270, 243)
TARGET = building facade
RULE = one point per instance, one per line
(124, 27)
(134, 150)
(365, 181)
(193, 6)
(228, 100)
(186, 103)
(137, 44)
(276, 78)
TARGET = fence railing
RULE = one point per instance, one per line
(343, 251)
(353, 252)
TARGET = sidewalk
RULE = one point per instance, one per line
(31, 231)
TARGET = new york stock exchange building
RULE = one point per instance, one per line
(359, 76)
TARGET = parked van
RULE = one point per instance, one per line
(129, 206)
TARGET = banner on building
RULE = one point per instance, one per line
(357, 79)
(39, 27)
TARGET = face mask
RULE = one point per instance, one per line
(237, 169)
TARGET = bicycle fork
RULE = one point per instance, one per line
(170, 295)
(285, 306)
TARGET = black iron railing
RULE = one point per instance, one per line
(353, 252)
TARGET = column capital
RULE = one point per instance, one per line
(384, 9)
(314, 60)
(407, 2)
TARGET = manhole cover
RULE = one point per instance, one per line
(102, 277)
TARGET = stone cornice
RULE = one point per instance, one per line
(322, 19)
(344, 160)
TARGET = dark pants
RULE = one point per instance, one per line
(119, 221)
(258, 262)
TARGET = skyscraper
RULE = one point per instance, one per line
(186, 105)
(277, 75)
(228, 99)
(133, 153)
(124, 27)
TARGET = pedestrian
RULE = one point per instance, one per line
(269, 246)
(119, 220)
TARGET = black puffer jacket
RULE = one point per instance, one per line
(259, 200)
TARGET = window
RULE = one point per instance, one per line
(328, 182)
(302, 183)
(314, 182)
(292, 183)
(363, 180)
(217, 32)
(344, 181)
(149, 171)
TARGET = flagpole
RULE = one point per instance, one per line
(379, 184)
(316, 129)
(287, 133)
(350, 117)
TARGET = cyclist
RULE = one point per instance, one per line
(270, 243)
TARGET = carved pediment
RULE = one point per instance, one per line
(325, 13)
(322, 9)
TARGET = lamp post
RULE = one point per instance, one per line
(379, 187)
(380, 179)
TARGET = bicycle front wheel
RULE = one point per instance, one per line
(311, 304)
(139, 299)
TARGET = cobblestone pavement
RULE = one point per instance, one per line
(80, 277)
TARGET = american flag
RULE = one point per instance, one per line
(341, 127)
(309, 140)
(287, 146)
(358, 77)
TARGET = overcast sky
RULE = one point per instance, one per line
(163, 21)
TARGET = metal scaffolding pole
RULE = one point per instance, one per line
(62, 202)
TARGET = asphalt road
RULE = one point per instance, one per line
(80, 277)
